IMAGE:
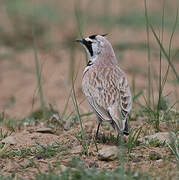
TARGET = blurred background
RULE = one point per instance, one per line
(50, 29)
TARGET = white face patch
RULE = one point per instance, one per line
(95, 47)
(92, 47)
(88, 39)
(96, 50)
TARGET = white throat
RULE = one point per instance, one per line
(93, 58)
(96, 51)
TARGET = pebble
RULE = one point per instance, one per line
(76, 150)
(10, 139)
(45, 130)
(108, 153)
(161, 136)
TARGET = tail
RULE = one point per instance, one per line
(119, 122)
(125, 131)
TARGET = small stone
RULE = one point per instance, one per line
(159, 161)
(162, 137)
(45, 130)
(10, 139)
(108, 153)
(93, 164)
(62, 167)
(106, 166)
(153, 155)
(76, 150)
(68, 124)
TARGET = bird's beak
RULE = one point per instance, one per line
(80, 40)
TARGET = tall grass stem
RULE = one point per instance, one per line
(38, 74)
(148, 55)
(164, 53)
(75, 104)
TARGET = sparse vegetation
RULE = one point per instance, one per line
(56, 141)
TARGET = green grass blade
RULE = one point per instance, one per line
(157, 121)
(148, 55)
(164, 53)
(78, 16)
(138, 95)
(38, 74)
(75, 104)
(66, 105)
(172, 35)
(80, 22)
(169, 50)
(79, 118)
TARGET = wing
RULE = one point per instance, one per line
(108, 93)
(93, 88)
(119, 113)
(125, 98)
(99, 110)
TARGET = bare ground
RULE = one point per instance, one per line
(19, 97)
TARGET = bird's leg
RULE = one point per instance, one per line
(99, 123)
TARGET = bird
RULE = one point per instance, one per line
(105, 85)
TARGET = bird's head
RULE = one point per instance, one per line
(96, 45)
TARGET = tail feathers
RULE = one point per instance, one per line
(119, 122)
(118, 130)
(126, 129)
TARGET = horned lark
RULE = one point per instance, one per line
(105, 84)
